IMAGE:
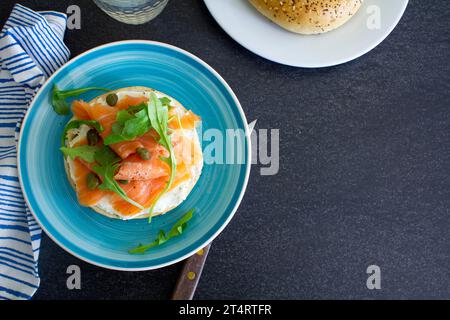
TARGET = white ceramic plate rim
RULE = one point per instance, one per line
(247, 171)
(274, 58)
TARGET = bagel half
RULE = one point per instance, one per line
(170, 199)
(308, 16)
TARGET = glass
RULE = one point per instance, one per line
(132, 11)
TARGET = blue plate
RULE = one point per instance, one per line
(104, 241)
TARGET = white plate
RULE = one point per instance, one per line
(258, 34)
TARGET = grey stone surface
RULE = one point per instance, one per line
(364, 169)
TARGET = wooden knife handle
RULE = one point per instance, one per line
(190, 275)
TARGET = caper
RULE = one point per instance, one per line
(143, 153)
(123, 181)
(92, 181)
(92, 137)
(111, 99)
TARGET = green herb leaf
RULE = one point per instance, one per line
(159, 117)
(87, 153)
(60, 106)
(135, 127)
(116, 128)
(76, 92)
(162, 237)
(176, 230)
(128, 126)
(181, 224)
(59, 97)
(76, 124)
(165, 101)
(123, 116)
(108, 163)
(114, 138)
(106, 157)
(139, 107)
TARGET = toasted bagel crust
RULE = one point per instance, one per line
(308, 16)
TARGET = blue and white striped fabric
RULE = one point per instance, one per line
(31, 49)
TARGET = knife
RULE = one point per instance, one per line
(190, 275)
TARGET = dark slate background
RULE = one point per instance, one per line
(364, 169)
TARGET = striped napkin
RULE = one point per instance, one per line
(31, 49)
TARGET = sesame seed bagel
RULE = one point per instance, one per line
(170, 199)
(308, 16)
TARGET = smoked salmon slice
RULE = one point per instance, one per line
(106, 116)
(86, 196)
(187, 120)
(79, 109)
(142, 191)
(134, 168)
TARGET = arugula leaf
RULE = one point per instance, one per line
(123, 116)
(115, 138)
(159, 117)
(176, 230)
(105, 156)
(109, 184)
(116, 128)
(181, 224)
(108, 163)
(136, 127)
(87, 153)
(59, 97)
(60, 106)
(76, 124)
(128, 126)
(137, 108)
(165, 101)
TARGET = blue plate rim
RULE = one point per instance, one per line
(248, 150)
